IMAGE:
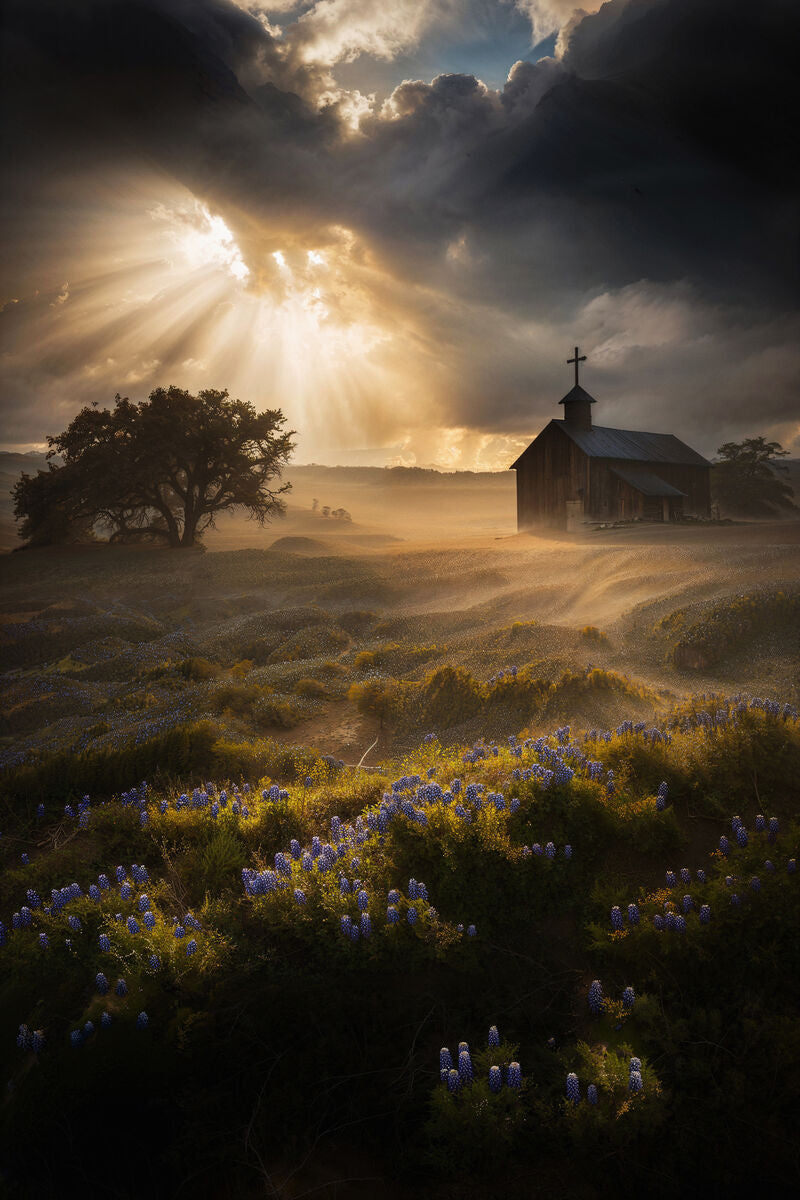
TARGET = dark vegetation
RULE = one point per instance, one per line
(283, 1055)
(161, 470)
(750, 480)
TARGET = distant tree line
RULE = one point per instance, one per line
(325, 510)
(158, 471)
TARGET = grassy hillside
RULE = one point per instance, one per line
(247, 984)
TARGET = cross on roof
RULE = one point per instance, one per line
(577, 359)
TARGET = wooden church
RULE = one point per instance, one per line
(576, 472)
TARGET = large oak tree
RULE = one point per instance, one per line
(159, 470)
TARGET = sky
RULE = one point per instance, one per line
(394, 221)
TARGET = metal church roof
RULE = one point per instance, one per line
(601, 442)
(645, 482)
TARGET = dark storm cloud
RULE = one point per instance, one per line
(655, 150)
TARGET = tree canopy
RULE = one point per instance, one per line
(158, 470)
(745, 478)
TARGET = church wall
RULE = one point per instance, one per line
(611, 498)
(553, 470)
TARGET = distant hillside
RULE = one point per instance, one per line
(395, 501)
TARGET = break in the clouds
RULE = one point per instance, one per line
(307, 204)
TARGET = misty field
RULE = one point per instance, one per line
(350, 864)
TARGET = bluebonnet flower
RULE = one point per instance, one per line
(628, 997)
(142, 1021)
(103, 881)
(494, 1036)
(658, 921)
(365, 925)
(68, 810)
(596, 1001)
(700, 875)
(453, 1080)
(591, 1093)
(471, 931)
(773, 828)
(445, 1059)
(422, 891)
(413, 891)
(755, 883)
(149, 920)
(688, 904)
(121, 874)
(179, 932)
(568, 851)
(741, 836)
(362, 900)
(88, 1029)
(761, 824)
(459, 928)
(392, 915)
(23, 1037)
(44, 941)
(295, 849)
(25, 860)
(616, 918)
(735, 823)
(495, 1079)
(76, 1039)
(724, 845)
(680, 924)
(465, 1066)
(191, 921)
(299, 896)
(514, 1075)
(412, 916)
(122, 987)
(550, 850)
(769, 865)
(791, 866)
(635, 1082)
(670, 877)
(735, 899)
(126, 891)
(100, 983)
(94, 893)
(191, 947)
(705, 914)
(394, 896)
(345, 923)
(37, 1041)
(686, 875)
(633, 914)
(154, 962)
(133, 925)
(353, 931)
(573, 1088)
(40, 812)
(105, 1019)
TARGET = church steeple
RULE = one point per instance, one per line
(578, 403)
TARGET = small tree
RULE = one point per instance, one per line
(745, 478)
(158, 470)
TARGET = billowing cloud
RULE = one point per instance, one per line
(411, 272)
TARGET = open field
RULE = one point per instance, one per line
(106, 645)
(551, 727)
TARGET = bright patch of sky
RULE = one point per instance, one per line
(486, 42)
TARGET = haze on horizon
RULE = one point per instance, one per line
(394, 222)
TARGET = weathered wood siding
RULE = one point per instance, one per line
(552, 470)
(609, 497)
